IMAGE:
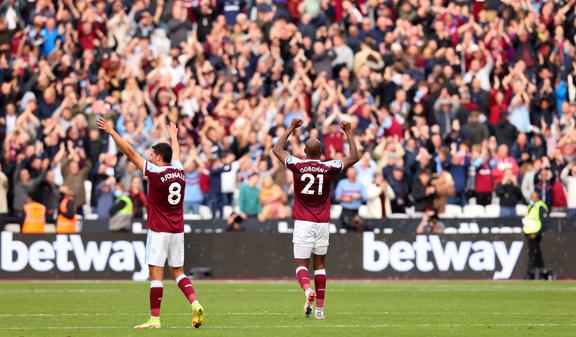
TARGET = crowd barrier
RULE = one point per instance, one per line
(269, 255)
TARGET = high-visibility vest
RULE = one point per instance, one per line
(127, 210)
(532, 222)
(65, 225)
(35, 218)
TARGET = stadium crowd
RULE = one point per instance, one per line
(450, 100)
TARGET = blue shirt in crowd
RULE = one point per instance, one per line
(347, 188)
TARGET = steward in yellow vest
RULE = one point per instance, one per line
(34, 217)
(121, 212)
(532, 227)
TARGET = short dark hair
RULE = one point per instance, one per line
(164, 150)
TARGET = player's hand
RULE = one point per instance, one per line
(172, 129)
(296, 123)
(105, 125)
(345, 126)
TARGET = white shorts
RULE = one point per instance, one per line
(310, 238)
(162, 246)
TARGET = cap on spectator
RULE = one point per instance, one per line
(28, 97)
(398, 168)
(265, 8)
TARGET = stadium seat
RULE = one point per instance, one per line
(192, 216)
(363, 212)
(517, 230)
(90, 216)
(50, 228)
(557, 214)
(492, 211)
(398, 216)
(335, 211)
(283, 227)
(187, 228)
(333, 228)
(506, 230)
(473, 211)
(521, 210)
(205, 212)
(227, 211)
(88, 189)
(452, 211)
(12, 227)
(451, 230)
(388, 231)
(138, 228)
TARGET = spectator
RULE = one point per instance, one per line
(483, 177)
(192, 194)
(430, 224)
(351, 194)
(501, 163)
(568, 177)
(273, 201)
(48, 195)
(543, 182)
(216, 197)
(3, 198)
(22, 188)
(423, 192)
(509, 194)
(477, 131)
(105, 196)
(379, 195)
(34, 220)
(66, 221)
(366, 169)
(399, 185)
(75, 174)
(121, 213)
(457, 166)
(250, 205)
(138, 197)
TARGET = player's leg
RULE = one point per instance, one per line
(155, 258)
(303, 239)
(319, 264)
(176, 263)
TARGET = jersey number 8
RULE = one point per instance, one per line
(175, 195)
(310, 178)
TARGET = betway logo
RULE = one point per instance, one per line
(404, 256)
(44, 256)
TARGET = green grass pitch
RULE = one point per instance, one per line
(392, 308)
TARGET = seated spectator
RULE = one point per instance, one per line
(430, 224)
(509, 194)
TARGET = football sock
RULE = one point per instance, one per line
(156, 290)
(303, 277)
(320, 284)
(185, 285)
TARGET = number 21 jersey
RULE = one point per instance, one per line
(312, 181)
(165, 197)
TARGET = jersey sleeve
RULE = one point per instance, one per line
(291, 162)
(177, 165)
(150, 168)
(336, 166)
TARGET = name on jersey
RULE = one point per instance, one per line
(312, 169)
(172, 175)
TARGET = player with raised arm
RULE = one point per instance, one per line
(165, 240)
(311, 212)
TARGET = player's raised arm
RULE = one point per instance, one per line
(354, 155)
(278, 149)
(173, 132)
(121, 143)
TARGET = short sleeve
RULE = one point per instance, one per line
(336, 166)
(151, 168)
(291, 162)
(178, 165)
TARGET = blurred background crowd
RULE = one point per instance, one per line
(450, 102)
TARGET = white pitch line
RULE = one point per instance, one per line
(80, 291)
(264, 313)
(312, 326)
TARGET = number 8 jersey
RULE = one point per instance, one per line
(312, 180)
(165, 197)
